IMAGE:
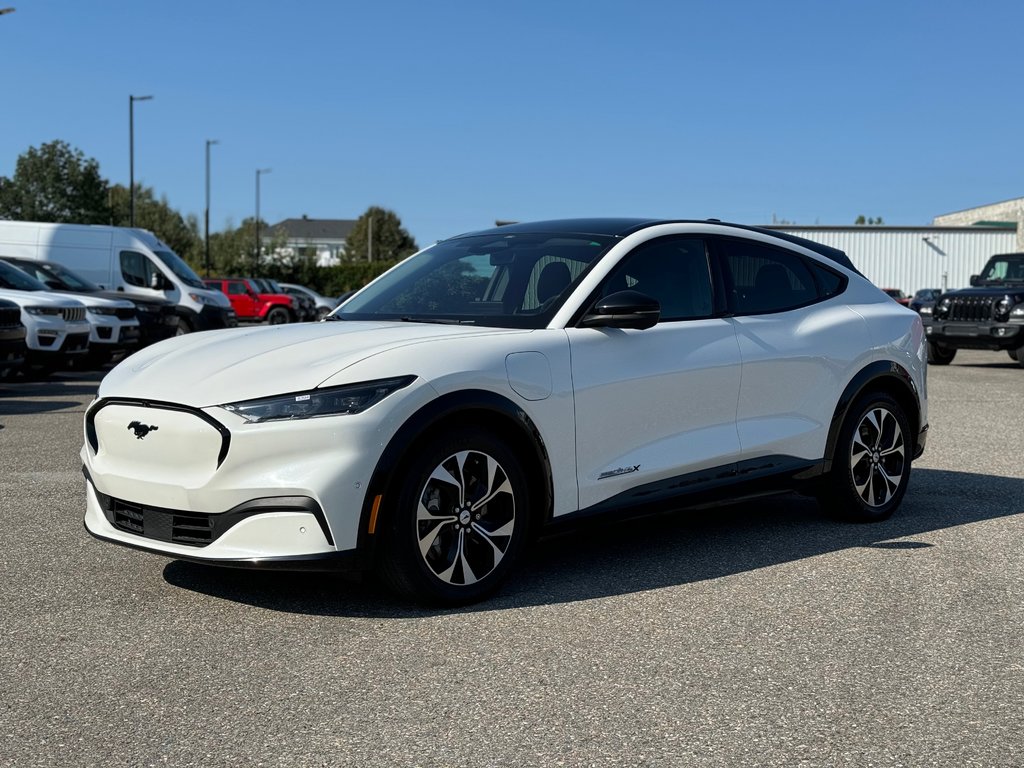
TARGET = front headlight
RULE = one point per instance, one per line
(1017, 311)
(201, 299)
(44, 310)
(101, 311)
(926, 310)
(332, 401)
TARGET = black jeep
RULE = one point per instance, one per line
(988, 315)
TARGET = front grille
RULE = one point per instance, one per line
(970, 308)
(10, 317)
(190, 528)
(73, 315)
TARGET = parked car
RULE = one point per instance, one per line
(988, 315)
(57, 328)
(323, 304)
(113, 327)
(305, 308)
(253, 305)
(924, 299)
(897, 295)
(504, 381)
(12, 338)
(157, 318)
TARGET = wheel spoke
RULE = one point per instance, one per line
(443, 475)
(505, 487)
(450, 570)
(489, 536)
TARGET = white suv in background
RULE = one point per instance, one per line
(56, 328)
(113, 325)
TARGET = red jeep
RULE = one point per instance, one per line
(251, 305)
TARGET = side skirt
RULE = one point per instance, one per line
(750, 479)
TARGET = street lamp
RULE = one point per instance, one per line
(131, 156)
(209, 142)
(256, 260)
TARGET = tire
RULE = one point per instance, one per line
(871, 465)
(183, 327)
(1018, 355)
(441, 546)
(940, 355)
(278, 316)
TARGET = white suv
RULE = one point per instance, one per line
(113, 325)
(501, 381)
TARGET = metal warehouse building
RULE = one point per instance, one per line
(911, 258)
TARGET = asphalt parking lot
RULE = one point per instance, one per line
(758, 634)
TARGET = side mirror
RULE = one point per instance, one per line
(625, 309)
(158, 282)
(975, 279)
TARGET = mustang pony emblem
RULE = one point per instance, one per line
(141, 430)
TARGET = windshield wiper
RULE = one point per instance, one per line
(436, 320)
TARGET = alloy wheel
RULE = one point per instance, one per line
(465, 518)
(877, 457)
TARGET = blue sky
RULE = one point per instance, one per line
(456, 113)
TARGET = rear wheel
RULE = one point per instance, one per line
(871, 466)
(459, 520)
(938, 355)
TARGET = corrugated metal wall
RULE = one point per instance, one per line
(917, 257)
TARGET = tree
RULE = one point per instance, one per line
(876, 222)
(159, 218)
(390, 240)
(55, 183)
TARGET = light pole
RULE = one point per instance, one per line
(256, 259)
(131, 156)
(209, 142)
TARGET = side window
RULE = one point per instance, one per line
(763, 279)
(136, 268)
(235, 287)
(674, 271)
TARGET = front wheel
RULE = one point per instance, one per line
(458, 521)
(278, 316)
(938, 355)
(871, 466)
(1018, 355)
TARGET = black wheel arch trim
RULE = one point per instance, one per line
(888, 372)
(433, 413)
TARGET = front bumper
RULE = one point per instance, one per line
(975, 335)
(284, 533)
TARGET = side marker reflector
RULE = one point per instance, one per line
(372, 529)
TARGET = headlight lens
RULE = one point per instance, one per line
(101, 311)
(925, 310)
(332, 401)
(43, 310)
(200, 299)
(1002, 308)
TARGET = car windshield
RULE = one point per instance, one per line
(1004, 270)
(503, 281)
(60, 277)
(14, 279)
(180, 268)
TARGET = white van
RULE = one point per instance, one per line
(124, 259)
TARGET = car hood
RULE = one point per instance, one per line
(216, 367)
(39, 299)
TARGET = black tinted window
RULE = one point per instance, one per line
(673, 270)
(764, 279)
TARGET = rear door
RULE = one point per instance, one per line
(795, 347)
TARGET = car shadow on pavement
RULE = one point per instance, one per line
(620, 557)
